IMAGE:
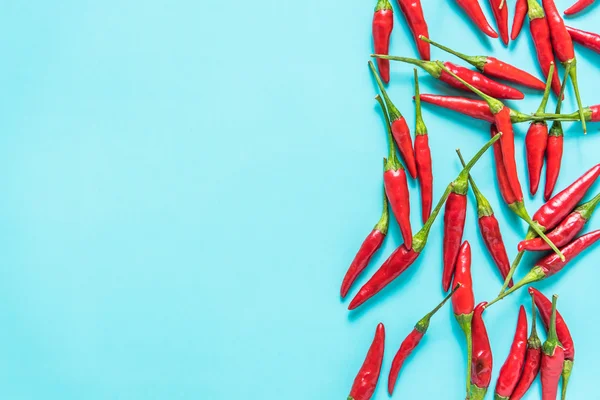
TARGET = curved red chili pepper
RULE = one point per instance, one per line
(366, 380)
(423, 157)
(474, 11)
(454, 225)
(500, 12)
(584, 38)
(579, 6)
(369, 247)
(413, 12)
(553, 357)
(519, 18)
(511, 370)
(503, 183)
(383, 23)
(482, 359)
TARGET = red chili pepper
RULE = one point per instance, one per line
(519, 18)
(584, 38)
(402, 257)
(400, 129)
(482, 359)
(482, 82)
(579, 6)
(495, 68)
(501, 15)
(511, 370)
(369, 247)
(383, 23)
(507, 194)
(553, 357)
(368, 375)
(413, 12)
(411, 342)
(474, 11)
(396, 188)
(454, 225)
(423, 157)
(533, 359)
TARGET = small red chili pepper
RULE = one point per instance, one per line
(413, 12)
(454, 225)
(482, 82)
(482, 359)
(501, 16)
(553, 357)
(584, 38)
(411, 342)
(474, 11)
(383, 23)
(495, 68)
(533, 359)
(400, 129)
(423, 157)
(507, 194)
(402, 257)
(366, 380)
(513, 366)
(579, 6)
(369, 247)
(519, 18)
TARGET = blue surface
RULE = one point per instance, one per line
(185, 183)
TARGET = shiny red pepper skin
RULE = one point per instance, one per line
(413, 12)
(454, 225)
(473, 108)
(481, 82)
(507, 143)
(482, 359)
(561, 41)
(536, 142)
(423, 158)
(587, 39)
(552, 264)
(502, 70)
(579, 6)
(540, 33)
(503, 183)
(519, 18)
(368, 375)
(554, 153)
(396, 189)
(511, 370)
(401, 134)
(463, 301)
(383, 23)
(551, 371)
(501, 16)
(490, 231)
(474, 11)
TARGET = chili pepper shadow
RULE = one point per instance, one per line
(484, 40)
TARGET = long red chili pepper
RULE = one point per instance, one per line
(579, 6)
(383, 23)
(454, 225)
(553, 357)
(533, 359)
(369, 247)
(562, 330)
(513, 366)
(500, 12)
(366, 380)
(519, 18)
(482, 82)
(399, 127)
(413, 12)
(504, 185)
(584, 38)
(493, 67)
(423, 157)
(402, 257)
(396, 187)
(482, 359)
(474, 11)
(412, 341)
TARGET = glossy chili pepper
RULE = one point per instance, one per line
(553, 357)
(507, 194)
(500, 12)
(584, 38)
(579, 6)
(413, 12)
(474, 11)
(519, 18)
(482, 82)
(396, 187)
(493, 67)
(423, 157)
(383, 23)
(400, 129)
(482, 359)
(533, 359)
(402, 257)
(454, 225)
(366, 380)
(369, 247)
(513, 366)
(411, 342)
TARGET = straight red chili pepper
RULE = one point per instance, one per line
(474, 11)
(368, 248)
(402, 257)
(495, 68)
(519, 18)
(482, 82)
(584, 38)
(454, 225)
(423, 157)
(383, 24)
(533, 359)
(553, 357)
(411, 342)
(413, 12)
(507, 194)
(366, 380)
(500, 12)
(511, 370)
(482, 359)
(579, 6)
(399, 127)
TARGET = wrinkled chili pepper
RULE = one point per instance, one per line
(399, 127)
(584, 38)
(396, 187)
(482, 359)
(366, 380)
(533, 359)
(383, 23)
(402, 257)
(579, 6)
(553, 357)
(513, 366)
(501, 16)
(413, 12)
(369, 247)
(423, 157)
(493, 67)
(519, 18)
(474, 11)
(412, 341)
(482, 82)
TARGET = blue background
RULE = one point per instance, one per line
(185, 183)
